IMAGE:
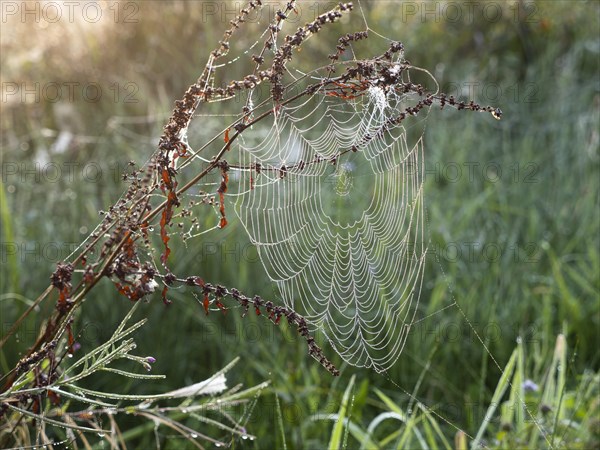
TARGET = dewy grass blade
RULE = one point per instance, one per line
(337, 433)
(503, 384)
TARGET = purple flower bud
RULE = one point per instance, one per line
(529, 386)
(151, 359)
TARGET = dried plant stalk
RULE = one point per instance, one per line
(113, 250)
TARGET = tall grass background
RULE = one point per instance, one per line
(538, 219)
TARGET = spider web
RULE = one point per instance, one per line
(340, 232)
(331, 195)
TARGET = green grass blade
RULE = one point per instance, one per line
(280, 422)
(514, 410)
(391, 405)
(560, 356)
(410, 429)
(498, 393)
(335, 443)
(362, 436)
(8, 237)
(460, 440)
(436, 427)
(375, 423)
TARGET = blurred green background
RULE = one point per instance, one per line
(512, 206)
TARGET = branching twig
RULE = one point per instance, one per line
(112, 251)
